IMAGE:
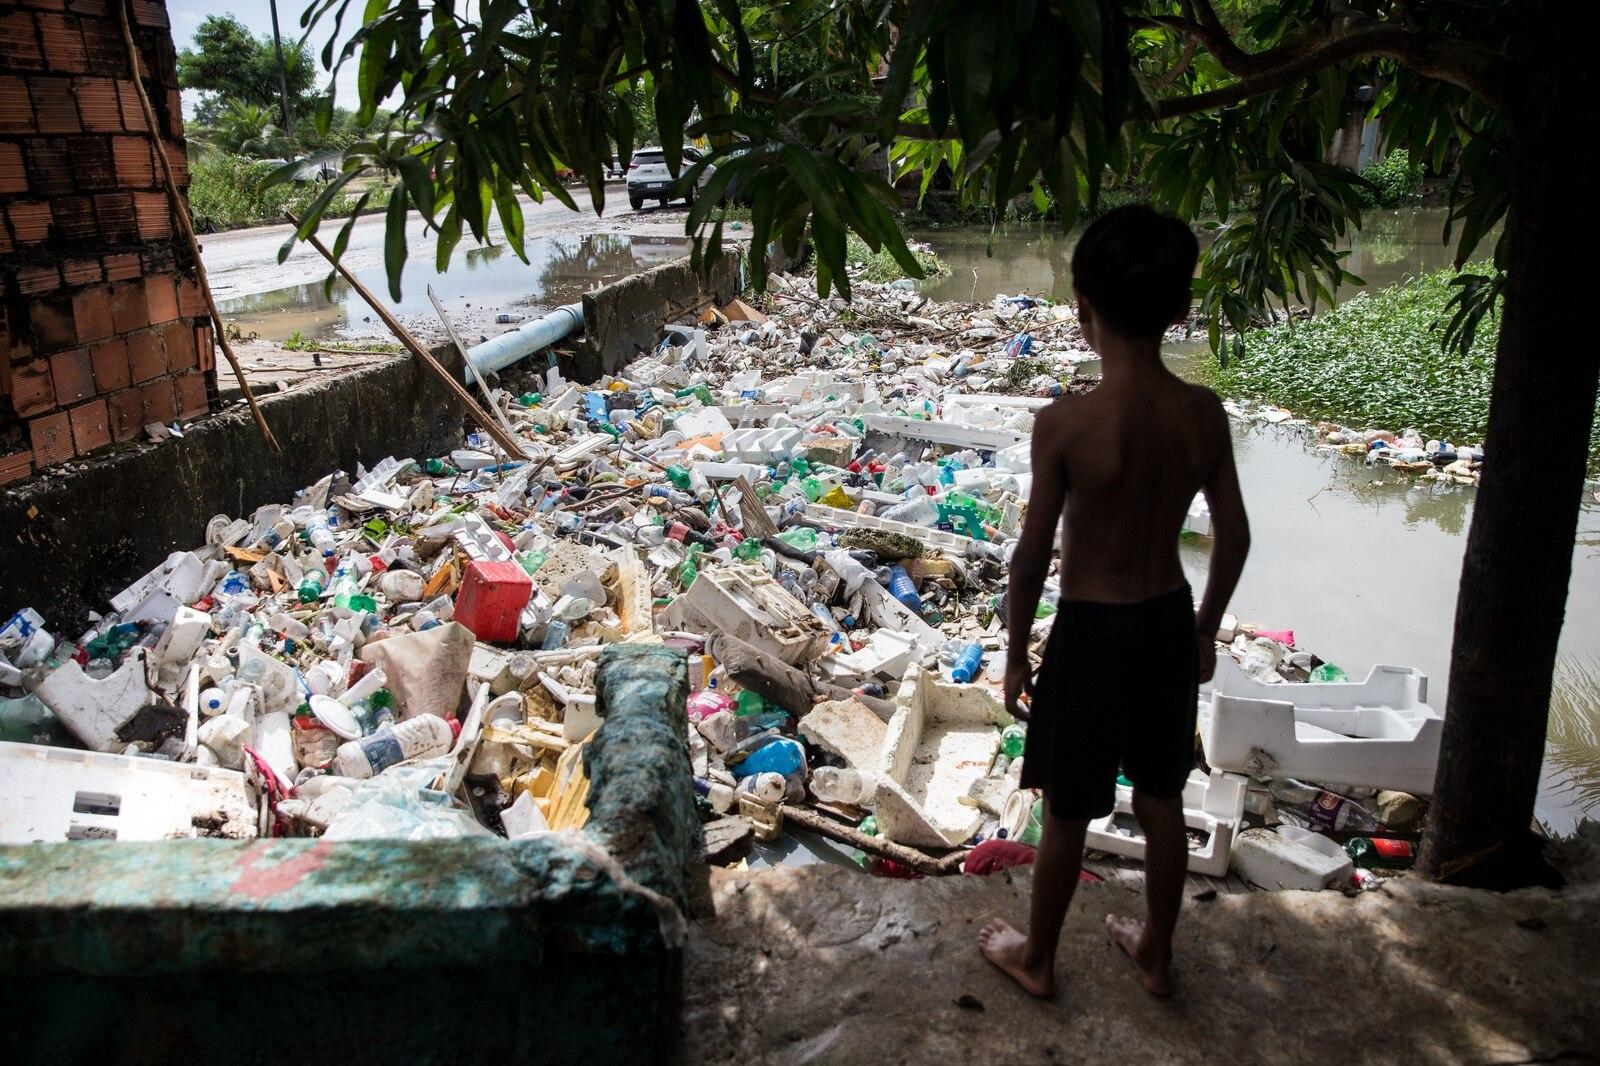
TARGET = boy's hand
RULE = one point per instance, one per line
(1019, 682)
(1205, 652)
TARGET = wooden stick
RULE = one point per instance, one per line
(911, 858)
(479, 415)
(186, 228)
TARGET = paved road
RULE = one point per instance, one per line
(244, 262)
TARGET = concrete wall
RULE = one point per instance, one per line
(74, 537)
(625, 317)
(295, 950)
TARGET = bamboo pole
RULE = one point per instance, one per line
(185, 227)
(910, 858)
(484, 420)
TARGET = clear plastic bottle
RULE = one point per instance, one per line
(421, 737)
(1325, 809)
(834, 784)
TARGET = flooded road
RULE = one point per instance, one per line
(1361, 563)
(480, 283)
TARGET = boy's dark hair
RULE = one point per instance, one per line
(1135, 266)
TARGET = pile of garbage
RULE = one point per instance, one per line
(1406, 451)
(815, 502)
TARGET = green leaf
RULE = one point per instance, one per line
(418, 183)
(394, 244)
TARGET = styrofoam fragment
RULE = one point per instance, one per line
(1212, 805)
(934, 538)
(373, 487)
(479, 541)
(746, 602)
(94, 709)
(941, 432)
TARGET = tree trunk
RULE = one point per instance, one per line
(1519, 552)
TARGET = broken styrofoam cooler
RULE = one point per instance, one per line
(884, 657)
(761, 445)
(1212, 805)
(957, 436)
(1376, 733)
(746, 602)
(1197, 519)
(57, 794)
(821, 514)
(942, 738)
(1290, 858)
(813, 385)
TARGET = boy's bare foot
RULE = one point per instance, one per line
(1005, 947)
(1128, 934)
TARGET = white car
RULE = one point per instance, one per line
(649, 179)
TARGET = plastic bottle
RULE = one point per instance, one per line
(780, 755)
(766, 787)
(902, 588)
(720, 796)
(749, 703)
(556, 635)
(849, 568)
(833, 784)
(1328, 673)
(421, 737)
(969, 663)
(919, 511)
(319, 531)
(1327, 810)
(1013, 739)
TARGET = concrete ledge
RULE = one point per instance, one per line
(431, 951)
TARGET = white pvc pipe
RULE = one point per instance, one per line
(500, 352)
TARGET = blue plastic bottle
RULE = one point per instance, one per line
(969, 663)
(555, 635)
(902, 588)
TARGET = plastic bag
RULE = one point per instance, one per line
(398, 804)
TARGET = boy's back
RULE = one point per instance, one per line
(1130, 457)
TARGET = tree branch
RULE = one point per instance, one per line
(1189, 48)
(1476, 69)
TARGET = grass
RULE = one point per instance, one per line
(299, 342)
(1375, 361)
(880, 265)
(225, 193)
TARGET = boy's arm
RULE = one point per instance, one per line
(1230, 540)
(1031, 560)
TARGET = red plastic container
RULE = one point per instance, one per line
(491, 599)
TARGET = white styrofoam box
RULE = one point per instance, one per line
(943, 737)
(1212, 805)
(182, 575)
(746, 602)
(942, 432)
(699, 421)
(479, 541)
(58, 794)
(373, 487)
(818, 514)
(182, 639)
(957, 401)
(1376, 733)
(1018, 457)
(1198, 518)
(1274, 861)
(727, 471)
(761, 445)
(93, 709)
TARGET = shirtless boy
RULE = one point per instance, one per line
(1118, 468)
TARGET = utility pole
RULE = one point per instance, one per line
(283, 73)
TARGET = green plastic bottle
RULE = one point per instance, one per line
(439, 468)
(814, 489)
(748, 704)
(748, 551)
(679, 477)
(1329, 673)
(532, 560)
(531, 399)
(311, 585)
(1013, 739)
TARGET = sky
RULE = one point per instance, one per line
(256, 15)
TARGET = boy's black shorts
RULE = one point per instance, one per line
(1117, 687)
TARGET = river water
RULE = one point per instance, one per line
(1362, 564)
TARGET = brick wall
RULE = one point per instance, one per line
(102, 325)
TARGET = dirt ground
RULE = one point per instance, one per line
(820, 963)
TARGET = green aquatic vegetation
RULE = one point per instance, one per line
(1376, 361)
(880, 265)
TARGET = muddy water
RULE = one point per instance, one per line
(1363, 565)
(481, 282)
